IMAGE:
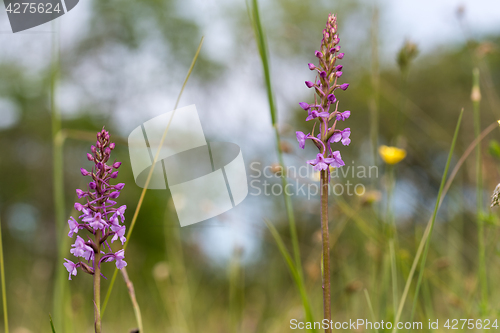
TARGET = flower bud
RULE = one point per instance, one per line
(309, 84)
(339, 67)
(332, 98)
(322, 74)
(119, 186)
(338, 74)
(305, 106)
(112, 145)
(116, 165)
(92, 185)
(92, 149)
(84, 172)
(80, 193)
(344, 86)
(114, 175)
(318, 54)
(114, 195)
(78, 206)
(107, 151)
(90, 157)
(311, 66)
(340, 56)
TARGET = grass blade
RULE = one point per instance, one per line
(143, 194)
(4, 290)
(253, 11)
(424, 243)
(52, 324)
(293, 270)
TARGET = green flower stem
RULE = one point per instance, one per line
(97, 283)
(326, 249)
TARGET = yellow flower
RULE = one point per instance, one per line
(391, 155)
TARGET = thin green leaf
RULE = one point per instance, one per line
(293, 270)
(424, 243)
(52, 324)
(141, 199)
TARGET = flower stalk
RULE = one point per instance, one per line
(326, 115)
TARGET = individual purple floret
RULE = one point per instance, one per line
(325, 84)
(98, 216)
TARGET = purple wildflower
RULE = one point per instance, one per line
(325, 83)
(321, 163)
(73, 227)
(337, 163)
(343, 115)
(119, 231)
(301, 137)
(81, 249)
(342, 136)
(305, 106)
(309, 84)
(118, 256)
(71, 267)
(313, 114)
(98, 214)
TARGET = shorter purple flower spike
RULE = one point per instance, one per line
(343, 115)
(332, 98)
(340, 56)
(301, 138)
(305, 106)
(309, 84)
(344, 86)
(71, 267)
(311, 66)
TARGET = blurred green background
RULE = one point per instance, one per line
(120, 63)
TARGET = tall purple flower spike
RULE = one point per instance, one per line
(99, 216)
(325, 84)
